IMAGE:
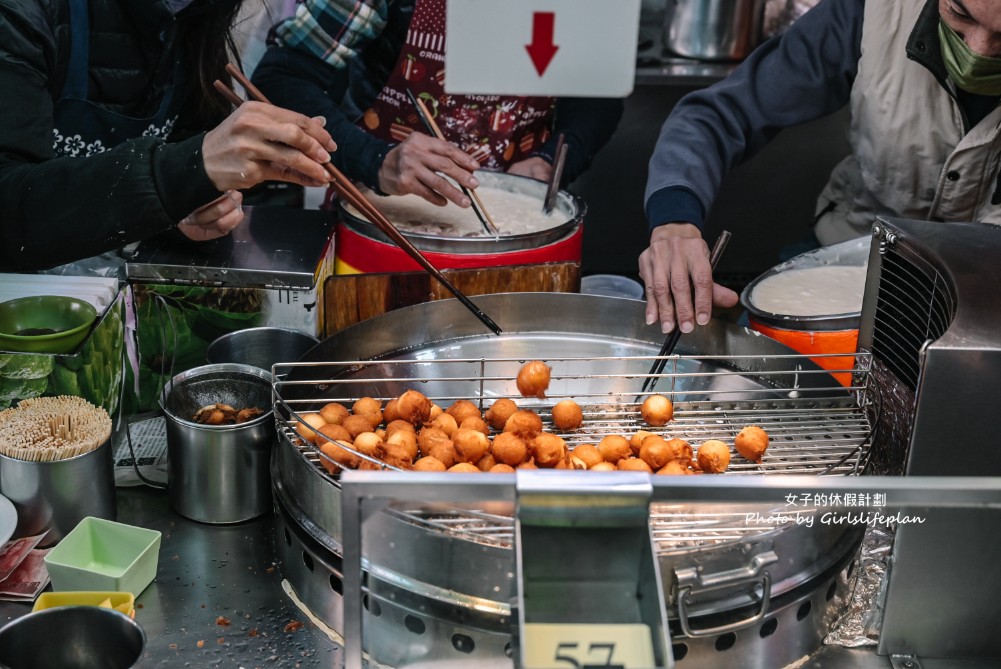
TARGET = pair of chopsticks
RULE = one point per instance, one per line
(435, 131)
(553, 189)
(350, 193)
(675, 334)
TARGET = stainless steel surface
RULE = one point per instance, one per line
(219, 473)
(72, 637)
(932, 324)
(273, 248)
(569, 215)
(713, 29)
(55, 496)
(260, 347)
(854, 252)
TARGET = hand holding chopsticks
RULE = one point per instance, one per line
(347, 190)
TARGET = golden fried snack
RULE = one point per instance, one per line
(470, 445)
(435, 411)
(633, 465)
(567, 415)
(406, 443)
(309, 420)
(499, 412)
(548, 450)
(444, 451)
(680, 449)
(528, 464)
(463, 468)
(486, 462)
(337, 452)
(414, 407)
(675, 468)
(390, 413)
(525, 423)
(588, 454)
(356, 424)
(429, 464)
(614, 447)
(369, 443)
(501, 468)
(476, 423)
(398, 425)
(334, 413)
(714, 456)
(369, 407)
(751, 442)
(656, 452)
(657, 410)
(332, 432)
(463, 409)
(509, 449)
(571, 463)
(533, 379)
(603, 467)
(444, 422)
(636, 440)
(430, 436)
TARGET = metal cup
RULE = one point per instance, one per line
(219, 473)
(57, 495)
(72, 637)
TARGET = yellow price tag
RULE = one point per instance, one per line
(561, 646)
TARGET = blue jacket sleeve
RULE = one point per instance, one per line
(801, 75)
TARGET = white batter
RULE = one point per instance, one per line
(812, 291)
(512, 213)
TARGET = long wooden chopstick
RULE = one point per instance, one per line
(353, 196)
(432, 126)
(553, 189)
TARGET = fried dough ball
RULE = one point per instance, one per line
(444, 422)
(406, 441)
(634, 465)
(414, 407)
(656, 452)
(636, 440)
(567, 415)
(680, 449)
(339, 453)
(751, 442)
(604, 467)
(509, 449)
(429, 464)
(588, 454)
(382, 433)
(400, 454)
(444, 451)
(528, 464)
(435, 411)
(463, 468)
(309, 420)
(533, 379)
(398, 425)
(548, 449)
(499, 412)
(657, 410)
(391, 413)
(714, 456)
(486, 462)
(356, 424)
(334, 413)
(369, 407)
(463, 409)
(476, 423)
(332, 432)
(674, 468)
(614, 447)
(571, 463)
(430, 436)
(470, 445)
(369, 443)
(525, 423)
(501, 468)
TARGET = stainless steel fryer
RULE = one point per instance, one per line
(600, 351)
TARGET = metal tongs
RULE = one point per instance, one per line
(675, 334)
(435, 131)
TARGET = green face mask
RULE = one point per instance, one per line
(970, 71)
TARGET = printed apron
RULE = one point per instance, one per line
(497, 131)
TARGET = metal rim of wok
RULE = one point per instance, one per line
(567, 203)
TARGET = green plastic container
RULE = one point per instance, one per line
(104, 555)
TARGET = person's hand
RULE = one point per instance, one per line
(677, 261)
(214, 220)
(419, 165)
(260, 142)
(534, 167)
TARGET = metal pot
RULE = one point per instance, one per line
(260, 347)
(713, 29)
(87, 637)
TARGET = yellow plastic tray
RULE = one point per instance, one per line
(120, 601)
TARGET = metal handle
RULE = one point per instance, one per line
(686, 627)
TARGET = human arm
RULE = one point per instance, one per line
(805, 73)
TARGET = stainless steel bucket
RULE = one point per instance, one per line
(219, 473)
(260, 347)
(72, 637)
(57, 495)
(713, 29)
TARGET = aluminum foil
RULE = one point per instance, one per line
(859, 623)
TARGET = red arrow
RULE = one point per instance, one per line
(542, 49)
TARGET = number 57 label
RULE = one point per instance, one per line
(560, 646)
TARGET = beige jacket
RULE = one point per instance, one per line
(910, 157)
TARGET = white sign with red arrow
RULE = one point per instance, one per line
(541, 47)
